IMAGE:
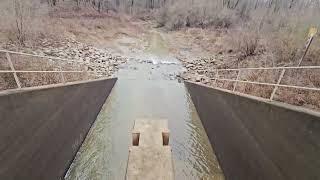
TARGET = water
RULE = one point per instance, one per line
(146, 89)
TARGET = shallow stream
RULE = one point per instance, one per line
(146, 88)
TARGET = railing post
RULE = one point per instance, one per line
(86, 69)
(277, 86)
(13, 70)
(312, 33)
(95, 65)
(217, 76)
(235, 83)
(311, 36)
(63, 80)
(306, 50)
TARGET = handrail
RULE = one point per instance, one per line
(48, 71)
(39, 56)
(269, 84)
(22, 71)
(18, 71)
(270, 68)
(278, 84)
(48, 57)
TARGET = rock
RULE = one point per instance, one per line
(189, 66)
(87, 59)
(205, 80)
(97, 59)
(201, 72)
(198, 78)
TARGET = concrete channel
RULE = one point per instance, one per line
(42, 128)
(146, 89)
(83, 130)
(141, 94)
(252, 138)
(258, 139)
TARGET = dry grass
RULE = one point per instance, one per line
(295, 77)
(243, 36)
(271, 50)
(26, 63)
(201, 14)
(23, 21)
(244, 42)
(48, 26)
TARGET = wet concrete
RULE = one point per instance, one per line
(147, 88)
(258, 139)
(42, 128)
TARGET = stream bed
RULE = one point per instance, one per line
(147, 88)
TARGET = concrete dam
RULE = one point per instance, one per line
(42, 129)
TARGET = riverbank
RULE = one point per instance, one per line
(113, 39)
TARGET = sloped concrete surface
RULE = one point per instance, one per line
(150, 158)
(41, 129)
(257, 139)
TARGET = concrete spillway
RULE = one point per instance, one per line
(257, 139)
(41, 130)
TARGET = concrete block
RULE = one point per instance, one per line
(150, 154)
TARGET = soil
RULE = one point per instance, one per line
(199, 51)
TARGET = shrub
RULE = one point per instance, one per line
(22, 19)
(244, 42)
(285, 49)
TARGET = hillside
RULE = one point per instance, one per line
(203, 35)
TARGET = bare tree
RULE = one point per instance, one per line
(52, 2)
(19, 9)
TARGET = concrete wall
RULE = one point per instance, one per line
(41, 129)
(256, 139)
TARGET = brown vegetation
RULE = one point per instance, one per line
(30, 79)
(226, 33)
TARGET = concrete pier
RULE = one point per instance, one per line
(150, 154)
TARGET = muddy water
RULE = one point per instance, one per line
(146, 89)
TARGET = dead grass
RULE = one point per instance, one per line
(191, 43)
(271, 50)
(241, 38)
(287, 53)
(7, 81)
(26, 63)
(244, 42)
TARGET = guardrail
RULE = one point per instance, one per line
(62, 77)
(276, 86)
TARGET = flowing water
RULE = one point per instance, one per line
(146, 88)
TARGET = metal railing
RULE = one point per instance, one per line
(276, 85)
(60, 71)
(311, 35)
